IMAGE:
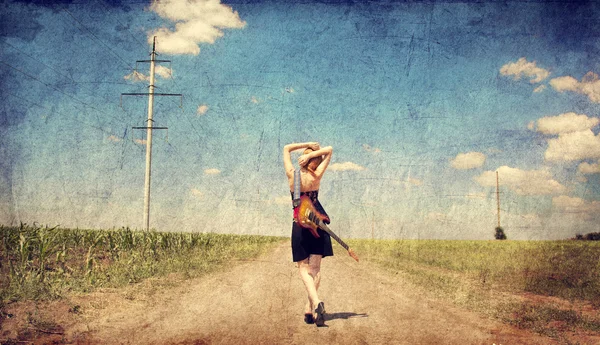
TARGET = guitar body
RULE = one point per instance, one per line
(307, 216)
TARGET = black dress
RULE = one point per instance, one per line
(303, 242)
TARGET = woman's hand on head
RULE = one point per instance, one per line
(303, 160)
(314, 146)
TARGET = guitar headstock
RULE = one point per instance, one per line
(352, 254)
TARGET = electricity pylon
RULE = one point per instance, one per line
(149, 128)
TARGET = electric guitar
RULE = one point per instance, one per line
(308, 217)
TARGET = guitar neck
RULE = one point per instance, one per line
(325, 228)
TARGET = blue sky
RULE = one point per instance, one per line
(422, 102)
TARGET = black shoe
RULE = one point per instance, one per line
(309, 319)
(320, 321)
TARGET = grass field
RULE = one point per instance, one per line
(547, 286)
(39, 263)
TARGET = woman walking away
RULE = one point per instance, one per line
(308, 250)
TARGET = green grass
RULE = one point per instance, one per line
(38, 263)
(485, 275)
(567, 269)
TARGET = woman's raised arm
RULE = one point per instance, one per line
(327, 152)
(287, 158)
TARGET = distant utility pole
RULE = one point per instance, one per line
(373, 226)
(149, 128)
(498, 197)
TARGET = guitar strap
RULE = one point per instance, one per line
(296, 198)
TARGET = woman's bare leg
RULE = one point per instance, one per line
(314, 270)
(314, 261)
(311, 278)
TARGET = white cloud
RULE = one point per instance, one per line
(589, 85)
(564, 123)
(114, 138)
(136, 76)
(440, 217)
(575, 140)
(522, 182)
(140, 141)
(573, 146)
(523, 68)
(196, 22)
(564, 202)
(282, 200)
(408, 182)
(196, 192)
(164, 72)
(369, 148)
(415, 181)
(519, 224)
(587, 168)
(576, 205)
(539, 89)
(202, 109)
(254, 100)
(565, 83)
(530, 220)
(476, 196)
(345, 166)
(469, 160)
(161, 71)
(212, 171)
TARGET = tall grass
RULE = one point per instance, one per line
(567, 269)
(41, 263)
(480, 274)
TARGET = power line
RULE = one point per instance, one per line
(47, 66)
(64, 75)
(108, 133)
(48, 85)
(45, 108)
(104, 131)
(187, 118)
(57, 89)
(105, 9)
(98, 39)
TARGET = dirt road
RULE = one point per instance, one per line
(261, 302)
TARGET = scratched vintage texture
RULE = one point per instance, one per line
(423, 101)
